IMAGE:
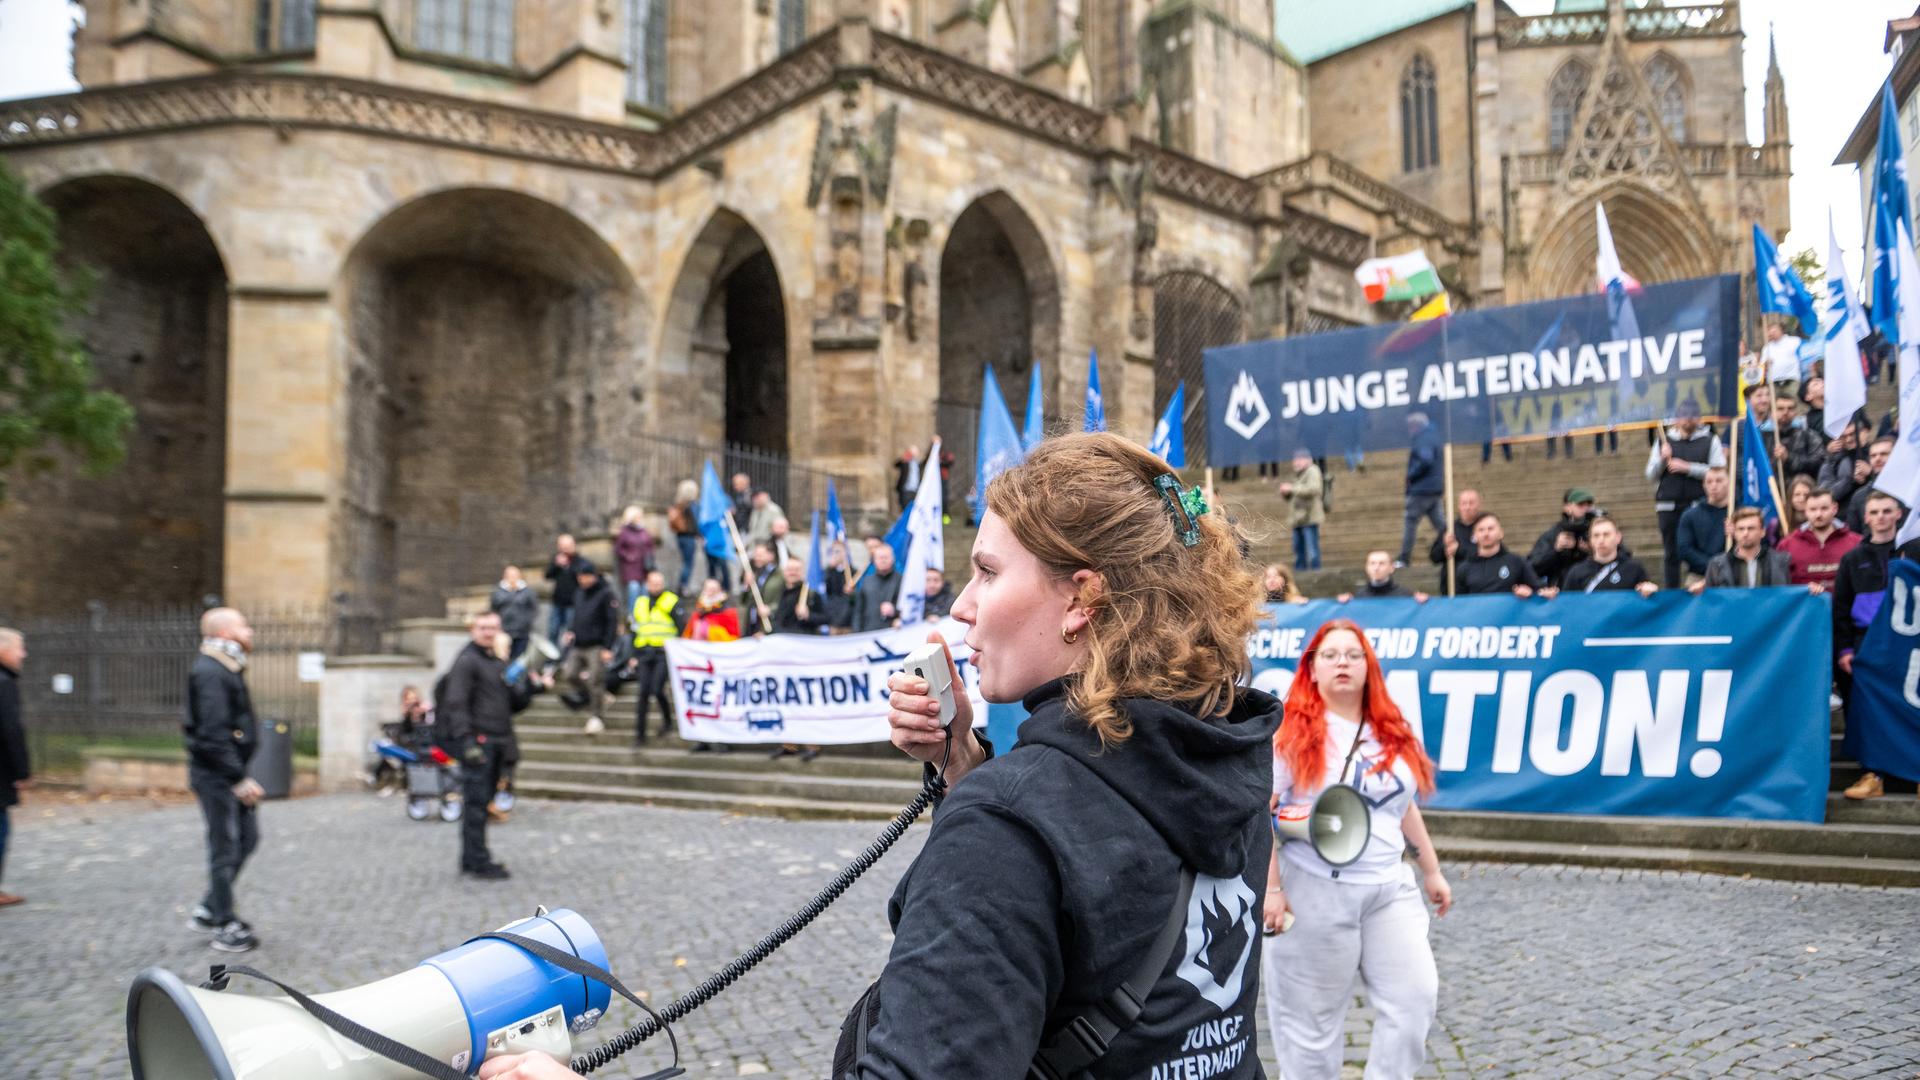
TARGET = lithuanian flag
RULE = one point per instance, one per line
(1398, 277)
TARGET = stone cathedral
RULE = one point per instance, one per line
(398, 287)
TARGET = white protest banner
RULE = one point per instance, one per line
(797, 688)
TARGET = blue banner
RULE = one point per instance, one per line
(1670, 705)
(1529, 371)
(1883, 713)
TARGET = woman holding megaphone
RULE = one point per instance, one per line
(1339, 907)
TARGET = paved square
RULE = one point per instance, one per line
(1544, 971)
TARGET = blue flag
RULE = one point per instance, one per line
(816, 566)
(1756, 473)
(1170, 434)
(998, 447)
(1096, 409)
(1782, 291)
(711, 514)
(897, 538)
(1036, 427)
(1890, 209)
(836, 525)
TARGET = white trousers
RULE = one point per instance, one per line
(1378, 932)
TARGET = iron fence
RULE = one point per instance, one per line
(650, 470)
(115, 672)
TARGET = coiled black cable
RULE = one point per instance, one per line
(934, 787)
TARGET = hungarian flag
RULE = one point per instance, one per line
(1398, 277)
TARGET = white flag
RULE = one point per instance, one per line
(925, 549)
(1901, 477)
(1846, 325)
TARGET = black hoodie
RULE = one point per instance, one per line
(1051, 868)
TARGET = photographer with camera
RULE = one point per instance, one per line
(478, 704)
(1564, 544)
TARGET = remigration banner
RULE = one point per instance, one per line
(1883, 713)
(1528, 371)
(797, 688)
(1670, 705)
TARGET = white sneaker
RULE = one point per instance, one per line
(594, 726)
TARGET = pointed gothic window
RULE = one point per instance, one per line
(1669, 87)
(1565, 93)
(475, 29)
(792, 24)
(1419, 118)
(646, 52)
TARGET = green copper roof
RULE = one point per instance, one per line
(1316, 29)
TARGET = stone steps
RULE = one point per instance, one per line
(1897, 839)
(1902, 873)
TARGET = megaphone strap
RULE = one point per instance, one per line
(566, 961)
(391, 1049)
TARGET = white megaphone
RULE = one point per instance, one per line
(537, 646)
(486, 998)
(1337, 825)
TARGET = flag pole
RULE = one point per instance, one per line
(1446, 460)
(1733, 475)
(746, 568)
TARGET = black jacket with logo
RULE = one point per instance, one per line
(220, 729)
(1617, 573)
(1495, 573)
(1051, 868)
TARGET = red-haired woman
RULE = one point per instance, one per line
(1365, 917)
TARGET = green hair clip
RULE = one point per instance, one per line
(1185, 509)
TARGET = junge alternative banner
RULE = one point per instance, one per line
(1671, 705)
(798, 688)
(1527, 371)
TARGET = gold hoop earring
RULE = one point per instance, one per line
(1067, 637)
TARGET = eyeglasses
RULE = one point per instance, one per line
(1351, 656)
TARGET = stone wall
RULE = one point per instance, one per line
(150, 531)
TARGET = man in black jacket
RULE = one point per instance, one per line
(1491, 568)
(1564, 543)
(477, 705)
(797, 611)
(1459, 542)
(14, 773)
(1609, 568)
(564, 572)
(1380, 581)
(595, 627)
(221, 738)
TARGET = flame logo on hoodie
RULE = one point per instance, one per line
(1219, 938)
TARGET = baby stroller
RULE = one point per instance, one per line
(431, 777)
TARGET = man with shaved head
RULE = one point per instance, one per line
(221, 738)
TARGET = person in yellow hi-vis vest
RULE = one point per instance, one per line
(657, 616)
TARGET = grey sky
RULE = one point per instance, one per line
(1829, 50)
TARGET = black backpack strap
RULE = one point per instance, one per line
(1084, 1038)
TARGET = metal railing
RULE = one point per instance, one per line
(123, 672)
(648, 471)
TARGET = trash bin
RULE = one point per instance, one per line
(272, 764)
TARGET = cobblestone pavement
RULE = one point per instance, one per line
(1544, 971)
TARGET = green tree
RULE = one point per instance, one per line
(47, 395)
(1805, 265)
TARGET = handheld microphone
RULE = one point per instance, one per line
(929, 664)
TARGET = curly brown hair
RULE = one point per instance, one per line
(1170, 622)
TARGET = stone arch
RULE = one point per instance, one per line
(1419, 114)
(1670, 92)
(1565, 93)
(153, 530)
(999, 304)
(493, 384)
(1192, 312)
(1658, 241)
(728, 316)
